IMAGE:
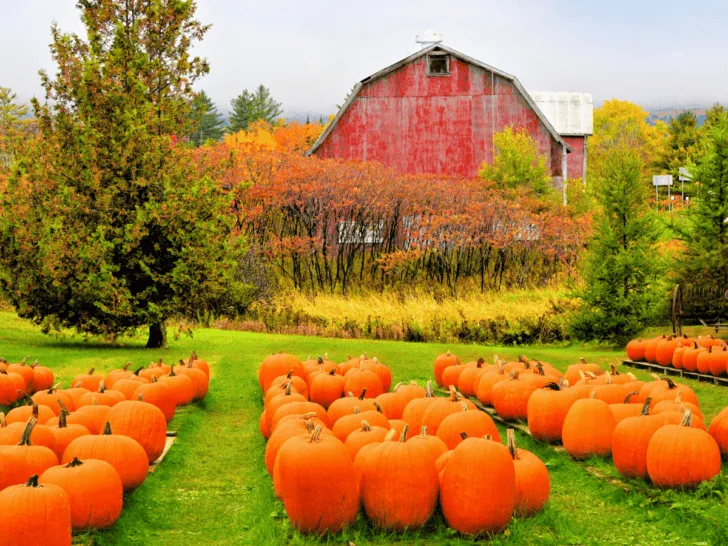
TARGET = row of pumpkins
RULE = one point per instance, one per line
(703, 354)
(653, 430)
(394, 453)
(68, 455)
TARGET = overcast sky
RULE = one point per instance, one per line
(310, 52)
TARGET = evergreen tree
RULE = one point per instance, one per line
(680, 146)
(207, 122)
(705, 259)
(12, 124)
(250, 107)
(620, 267)
(109, 227)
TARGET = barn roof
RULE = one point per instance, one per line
(355, 92)
(571, 114)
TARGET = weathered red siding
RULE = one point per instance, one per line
(575, 160)
(434, 124)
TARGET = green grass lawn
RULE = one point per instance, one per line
(213, 489)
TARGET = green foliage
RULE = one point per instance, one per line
(680, 145)
(207, 122)
(250, 107)
(108, 226)
(621, 264)
(705, 259)
(517, 163)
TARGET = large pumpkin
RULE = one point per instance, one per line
(547, 409)
(20, 462)
(636, 350)
(478, 487)
(276, 365)
(35, 515)
(719, 430)
(143, 422)
(94, 490)
(181, 387)
(326, 388)
(680, 456)
(399, 486)
(588, 429)
(442, 407)
(315, 476)
(630, 440)
(404, 393)
(473, 422)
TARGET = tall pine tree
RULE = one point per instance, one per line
(207, 122)
(620, 268)
(251, 107)
(108, 226)
(705, 260)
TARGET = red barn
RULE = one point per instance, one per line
(436, 111)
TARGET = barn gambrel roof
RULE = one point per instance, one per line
(438, 46)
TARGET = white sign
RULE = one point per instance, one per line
(662, 180)
(684, 175)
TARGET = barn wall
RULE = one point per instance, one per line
(575, 159)
(432, 124)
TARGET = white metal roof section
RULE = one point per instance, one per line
(571, 113)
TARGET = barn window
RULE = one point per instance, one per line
(438, 64)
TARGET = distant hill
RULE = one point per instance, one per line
(667, 114)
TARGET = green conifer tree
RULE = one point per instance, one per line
(250, 107)
(207, 122)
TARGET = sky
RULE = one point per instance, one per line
(309, 53)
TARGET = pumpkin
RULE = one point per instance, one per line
(75, 394)
(349, 423)
(51, 398)
(359, 380)
(677, 357)
(11, 434)
(97, 414)
(680, 456)
(35, 515)
(299, 384)
(573, 372)
(42, 377)
(156, 394)
(94, 491)
(143, 422)
(398, 426)
(470, 376)
(123, 453)
(89, 381)
(196, 362)
(630, 440)
(626, 408)
(104, 397)
(719, 430)
(321, 363)
(451, 376)
(676, 417)
(75, 418)
(399, 487)
(350, 363)
(433, 446)
(21, 414)
(129, 385)
(20, 462)
(383, 372)
(276, 365)
(547, 409)
(26, 372)
(298, 424)
(181, 387)
(690, 357)
(588, 429)
(298, 408)
(533, 484)
(442, 407)
(510, 398)
(415, 409)
(404, 393)
(65, 433)
(316, 479)
(676, 405)
(346, 405)
(478, 491)
(718, 360)
(326, 388)
(664, 350)
(473, 423)
(669, 390)
(611, 392)
(484, 387)
(288, 396)
(200, 381)
(636, 350)
(364, 436)
(115, 375)
(384, 401)
(8, 388)
(442, 362)
(155, 370)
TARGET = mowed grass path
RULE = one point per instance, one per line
(213, 489)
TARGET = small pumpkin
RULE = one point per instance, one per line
(533, 484)
(442, 362)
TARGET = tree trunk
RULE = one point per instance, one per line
(157, 336)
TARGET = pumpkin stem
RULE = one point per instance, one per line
(403, 435)
(154, 379)
(464, 406)
(25, 438)
(390, 435)
(511, 435)
(487, 437)
(138, 371)
(670, 383)
(378, 407)
(141, 397)
(614, 369)
(171, 372)
(679, 397)
(464, 435)
(539, 369)
(316, 434)
(514, 375)
(289, 386)
(74, 463)
(32, 481)
(453, 394)
(102, 387)
(397, 386)
(54, 388)
(36, 411)
(480, 362)
(125, 367)
(3, 421)
(655, 377)
(423, 431)
(332, 371)
(630, 395)
(309, 415)
(356, 409)
(91, 371)
(363, 394)
(309, 426)
(552, 386)
(646, 407)
(107, 429)
(429, 391)
(365, 426)
(62, 423)
(583, 360)
(687, 419)
(94, 402)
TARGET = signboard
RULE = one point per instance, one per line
(684, 175)
(662, 180)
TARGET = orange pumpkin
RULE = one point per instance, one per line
(276, 365)
(442, 362)
(473, 423)
(630, 440)
(588, 429)
(143, 422)
(533, 484)
(20, 462)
